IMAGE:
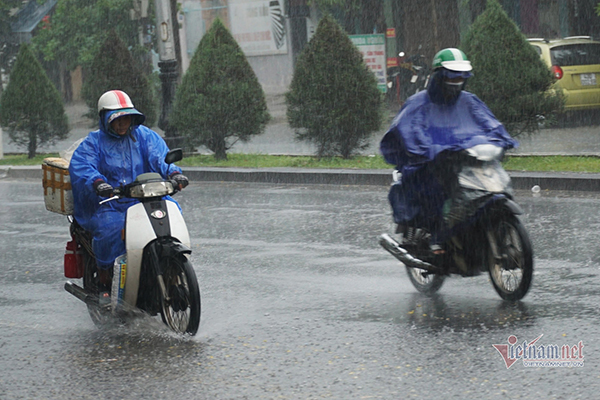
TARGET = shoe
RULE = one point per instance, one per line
(103, 299)
(104, 287)
(437, 249)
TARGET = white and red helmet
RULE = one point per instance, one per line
(114, 100)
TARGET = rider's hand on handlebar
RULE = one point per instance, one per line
(103, 189)
(181, 180)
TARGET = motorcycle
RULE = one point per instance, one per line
(481, 231)
(154, 275)
(409, 77)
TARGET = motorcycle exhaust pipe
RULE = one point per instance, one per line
(79, 292)
(393, 247)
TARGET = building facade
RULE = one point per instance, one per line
(272, 33)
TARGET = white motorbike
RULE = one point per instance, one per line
(155, 275)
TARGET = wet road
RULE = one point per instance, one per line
(299, 302)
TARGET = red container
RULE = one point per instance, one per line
(73, 262)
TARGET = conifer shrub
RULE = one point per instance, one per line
(31, 108)
(113, 68)
(220, 100)
(333, 101)
(508, 74)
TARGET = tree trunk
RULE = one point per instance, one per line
(220, 154)
(32, 146)
(218, 146)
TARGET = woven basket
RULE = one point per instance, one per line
(58, 196)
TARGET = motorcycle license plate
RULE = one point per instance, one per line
(118, 283)
(413, 79)
(587, 79)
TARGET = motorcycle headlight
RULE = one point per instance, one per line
(151, 189)
(489, 177)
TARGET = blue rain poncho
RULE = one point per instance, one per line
(117, 160)
(426, 127)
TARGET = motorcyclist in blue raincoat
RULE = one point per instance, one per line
(431, 125)
(109, 157)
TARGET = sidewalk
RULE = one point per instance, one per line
(279, 139)
(520, 180)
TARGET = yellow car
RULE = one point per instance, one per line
(575, 63)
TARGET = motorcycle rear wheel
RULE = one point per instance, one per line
(511, 275)
(99, 315)
(424, 282)
(181, 312)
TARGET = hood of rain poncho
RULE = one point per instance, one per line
(137, 118)
(423, 129)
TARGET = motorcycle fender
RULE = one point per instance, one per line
(171, 249)
(514, 207)
(138, 234)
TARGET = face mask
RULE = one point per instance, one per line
(451, 90)
(441, 91)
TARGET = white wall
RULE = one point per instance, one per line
(274, 71)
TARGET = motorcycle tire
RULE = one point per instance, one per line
(99, 315)
(512, 273)
(181, 312)
(424, 282)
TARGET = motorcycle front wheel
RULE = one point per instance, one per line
(512, 271)
(425, 282)
(181, 311)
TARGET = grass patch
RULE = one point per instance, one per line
(528, 163)
(266, 161)
(553, 163)
(21, 159)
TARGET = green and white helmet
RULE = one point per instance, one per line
(452, 59)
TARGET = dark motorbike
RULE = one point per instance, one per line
(481, 231)
(409, 77)
(155, 275)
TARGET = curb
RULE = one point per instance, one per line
(290, 175)
(520, 180)
(21, 172)
(582, 182)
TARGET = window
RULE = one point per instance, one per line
(575, 54)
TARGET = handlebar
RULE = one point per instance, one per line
(117, 194)
(116, 197)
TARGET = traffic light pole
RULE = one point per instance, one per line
(169, 70)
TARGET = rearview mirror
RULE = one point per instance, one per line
(174, 156)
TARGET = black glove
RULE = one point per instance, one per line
(180, 179)
(103, 189)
